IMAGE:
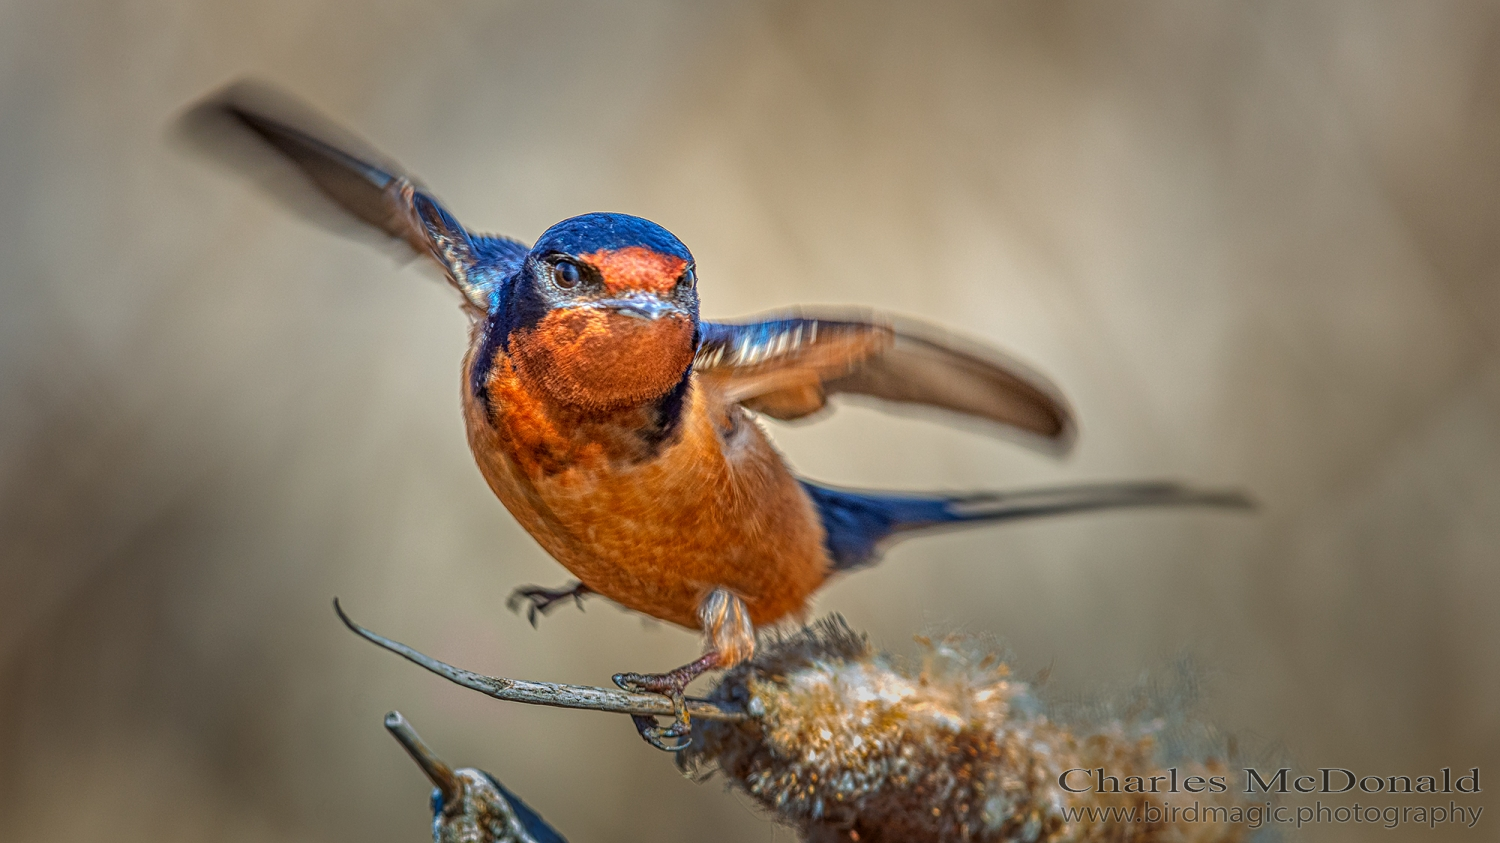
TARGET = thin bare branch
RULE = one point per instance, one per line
(440, 773)
(544, 693)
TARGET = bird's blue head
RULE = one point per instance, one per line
(603, 313)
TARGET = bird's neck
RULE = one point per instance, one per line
(545, 435)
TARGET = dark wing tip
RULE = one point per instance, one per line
(931, 367)
(908, 367)
(312, 166)
(280, 119)
(300, 132)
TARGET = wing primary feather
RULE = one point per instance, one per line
(241, 123)
(245, 121)
(771, 363)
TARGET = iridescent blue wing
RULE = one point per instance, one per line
(787, 365)
(538, 828)
(359, 181)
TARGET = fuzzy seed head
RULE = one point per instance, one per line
(847, 743)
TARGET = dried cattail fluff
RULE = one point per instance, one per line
(848, 744)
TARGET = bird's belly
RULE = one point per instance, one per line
(658, 536)
(663, 559)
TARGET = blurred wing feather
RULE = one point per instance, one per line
(340, 167)
(786, 366)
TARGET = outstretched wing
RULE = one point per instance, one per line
(340, 167)
(786, 366)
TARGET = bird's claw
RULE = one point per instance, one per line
(658, 735)
(540, 600)
(672, 685)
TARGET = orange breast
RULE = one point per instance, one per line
(653, 531)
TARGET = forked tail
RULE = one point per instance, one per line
(860, 524)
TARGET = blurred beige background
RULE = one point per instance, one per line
(1255, 243)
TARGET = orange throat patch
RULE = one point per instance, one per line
(597, 360)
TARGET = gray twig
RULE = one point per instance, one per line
(544, 693)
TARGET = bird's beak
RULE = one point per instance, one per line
(441, 774)
(645, 306)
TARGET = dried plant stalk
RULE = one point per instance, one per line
(469, 805)
(557, 694)
(845, 743)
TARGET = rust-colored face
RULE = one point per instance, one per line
(617, 329)
(636, 269)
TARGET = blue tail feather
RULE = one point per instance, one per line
(858, 524)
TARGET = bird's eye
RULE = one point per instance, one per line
(566, 274)
(687, 279)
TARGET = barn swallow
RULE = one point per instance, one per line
(621, 429)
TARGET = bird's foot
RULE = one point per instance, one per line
(540, 600)
(672, 685)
